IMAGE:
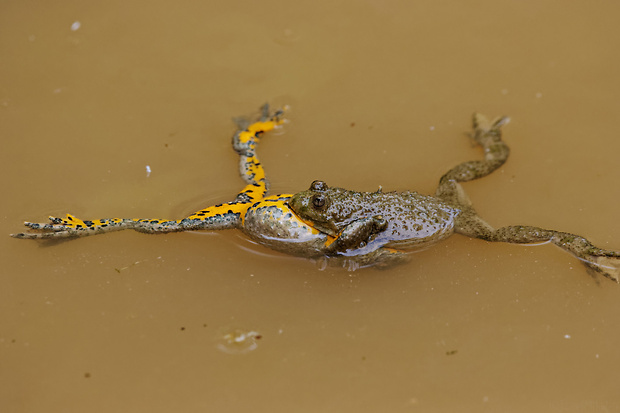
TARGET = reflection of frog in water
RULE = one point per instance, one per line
(347, 227)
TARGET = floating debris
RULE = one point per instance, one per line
(238, 341)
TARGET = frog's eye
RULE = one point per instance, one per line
(318, 201)
(318, 186)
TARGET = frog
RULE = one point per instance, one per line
(415, 221)
(336, 226)
(265, 219)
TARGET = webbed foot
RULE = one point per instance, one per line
(483, 127)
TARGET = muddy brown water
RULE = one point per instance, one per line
(381, 94)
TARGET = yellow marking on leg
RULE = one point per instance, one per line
(219, 210)
(330, 240)
(70, 221)
(74, 222)
(259, 127)
(253, 169)
(281, 202)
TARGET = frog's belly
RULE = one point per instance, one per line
(270, 222)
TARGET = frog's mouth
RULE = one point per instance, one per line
(322, 226)
(319, 226)
(299, 205)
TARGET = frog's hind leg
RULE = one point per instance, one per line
(244, 142)
(73, 227)
(596, 260)
(218, 217)
(488, 135)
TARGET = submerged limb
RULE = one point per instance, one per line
(381, 258)
(596, 260)
(218, 217)
(486, 134)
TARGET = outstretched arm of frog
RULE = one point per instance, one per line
(218, 217)
(357, 235)
(353, 248)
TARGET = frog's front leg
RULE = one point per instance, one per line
(353, 248)
(596, 260)
(357, 235)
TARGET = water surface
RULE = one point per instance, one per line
(381, 94)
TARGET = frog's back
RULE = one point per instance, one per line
(409, 220)
(414, 220)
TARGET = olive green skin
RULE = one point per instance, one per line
(402, 220)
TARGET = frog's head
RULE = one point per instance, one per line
(318, 206)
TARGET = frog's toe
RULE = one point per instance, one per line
(482, 124)
(57, 228)
(266, 115)
(264, 112)
(607, 266)
(57, 234)
(45, 231)
(41, 226)
(23, 235)
(479, 121)
(35, 225)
